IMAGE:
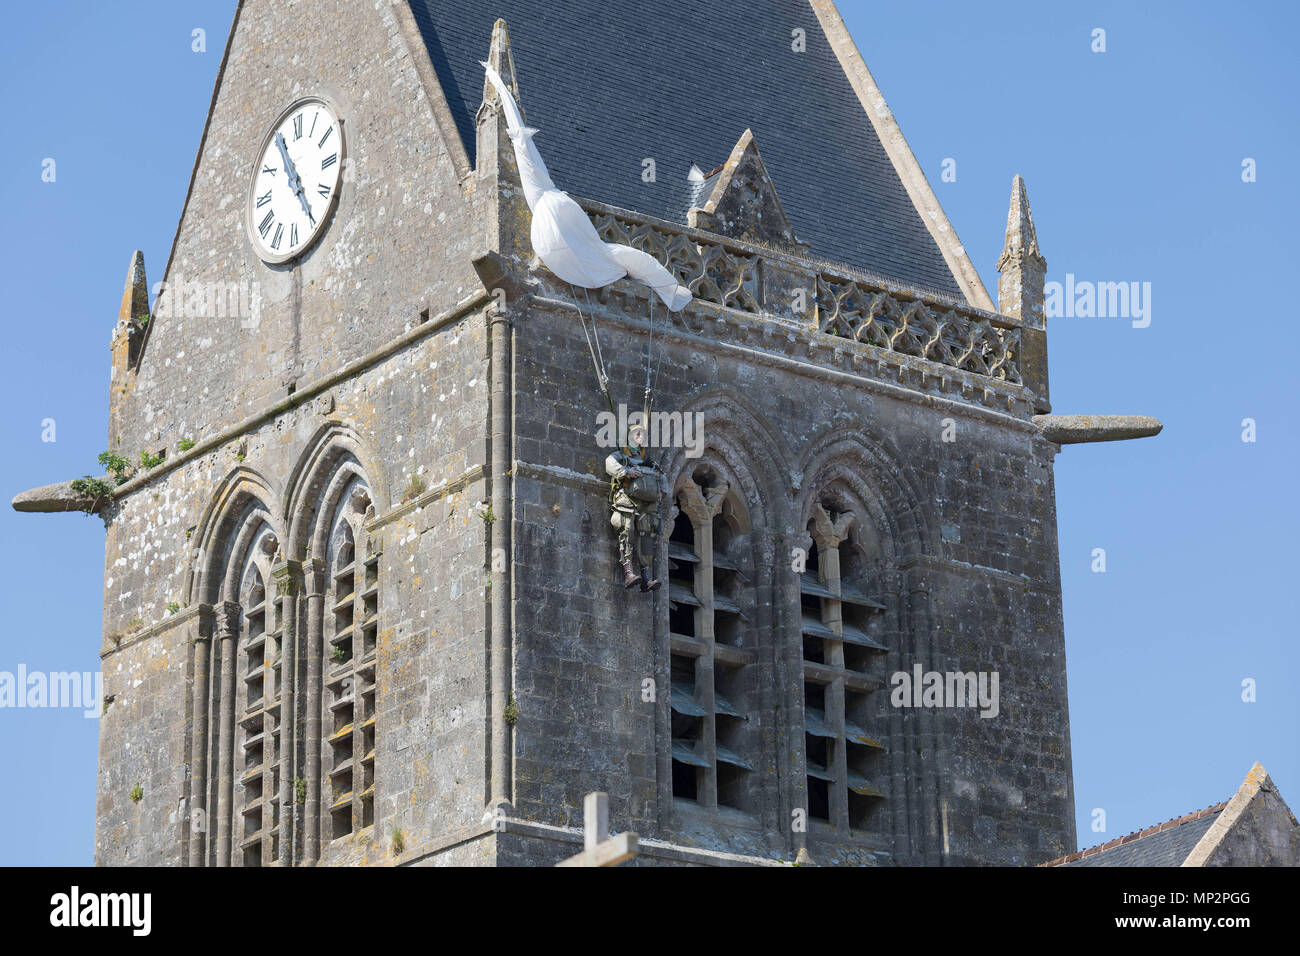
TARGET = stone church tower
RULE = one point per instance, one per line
(367, 609)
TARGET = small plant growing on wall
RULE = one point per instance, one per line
(172, 607)
(136, 794)
(300, 790)
(148, 461)
(115, 465)
(414, 489)
(93, 490)
(185, 444)
(399, 843)
(512, 711)
(337, 655)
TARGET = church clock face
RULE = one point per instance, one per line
(296, 180)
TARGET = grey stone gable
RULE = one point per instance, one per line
(1162, 848)
(614, 83)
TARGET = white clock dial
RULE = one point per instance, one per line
(296, 180)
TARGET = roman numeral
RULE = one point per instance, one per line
(263, 200)
(325, 137)
(329, 161)
(323, 190)
(265, 225)
(268, 169)
(293, 235)
(279, 231)
(297, 126)
(315, 116)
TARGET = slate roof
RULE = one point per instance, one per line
(612, 83)
(1167, 844)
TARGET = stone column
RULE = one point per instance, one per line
(789, 659)
(891, 582)
(227, 639)
(500, 325)
(288, 583)
(198, 822)
(701, 507)
(663, 722)
(929, 840)
(827, 534)
(313, 577)
(768, 791)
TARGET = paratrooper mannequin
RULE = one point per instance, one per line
(637, 487)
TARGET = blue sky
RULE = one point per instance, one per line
(1133, 161)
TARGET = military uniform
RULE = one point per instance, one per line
(637, 487)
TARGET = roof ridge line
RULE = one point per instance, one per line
(906, 166)
(1138, 834)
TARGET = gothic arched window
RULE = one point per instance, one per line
(840, 643)
(712, 644)
(351, 636)
(257, 731)
(236, 758)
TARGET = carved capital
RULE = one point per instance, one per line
(830, 532)
(227, 620)
(701, 506)
(288, 578)
(205, 621)
(313, 576)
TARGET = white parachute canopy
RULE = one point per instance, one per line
(562, 234)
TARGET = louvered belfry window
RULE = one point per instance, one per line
(839, 645)
(712, 645)
(257, 732)
(349, 669)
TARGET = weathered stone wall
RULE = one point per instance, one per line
(423, 412)
(961, 532)
(143, 743)
(970, 522)
(396, 253)
(399, 240)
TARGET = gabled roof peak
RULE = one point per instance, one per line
(743, 203)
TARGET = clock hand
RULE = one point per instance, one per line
(306, 206)
(295, 183)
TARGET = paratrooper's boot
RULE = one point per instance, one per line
(630, 578)
(648, 583)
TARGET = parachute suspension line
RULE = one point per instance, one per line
(659, 363)
(650, 347)
(593, 345)
(649, 358)
(604, 379)
(597, 357)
